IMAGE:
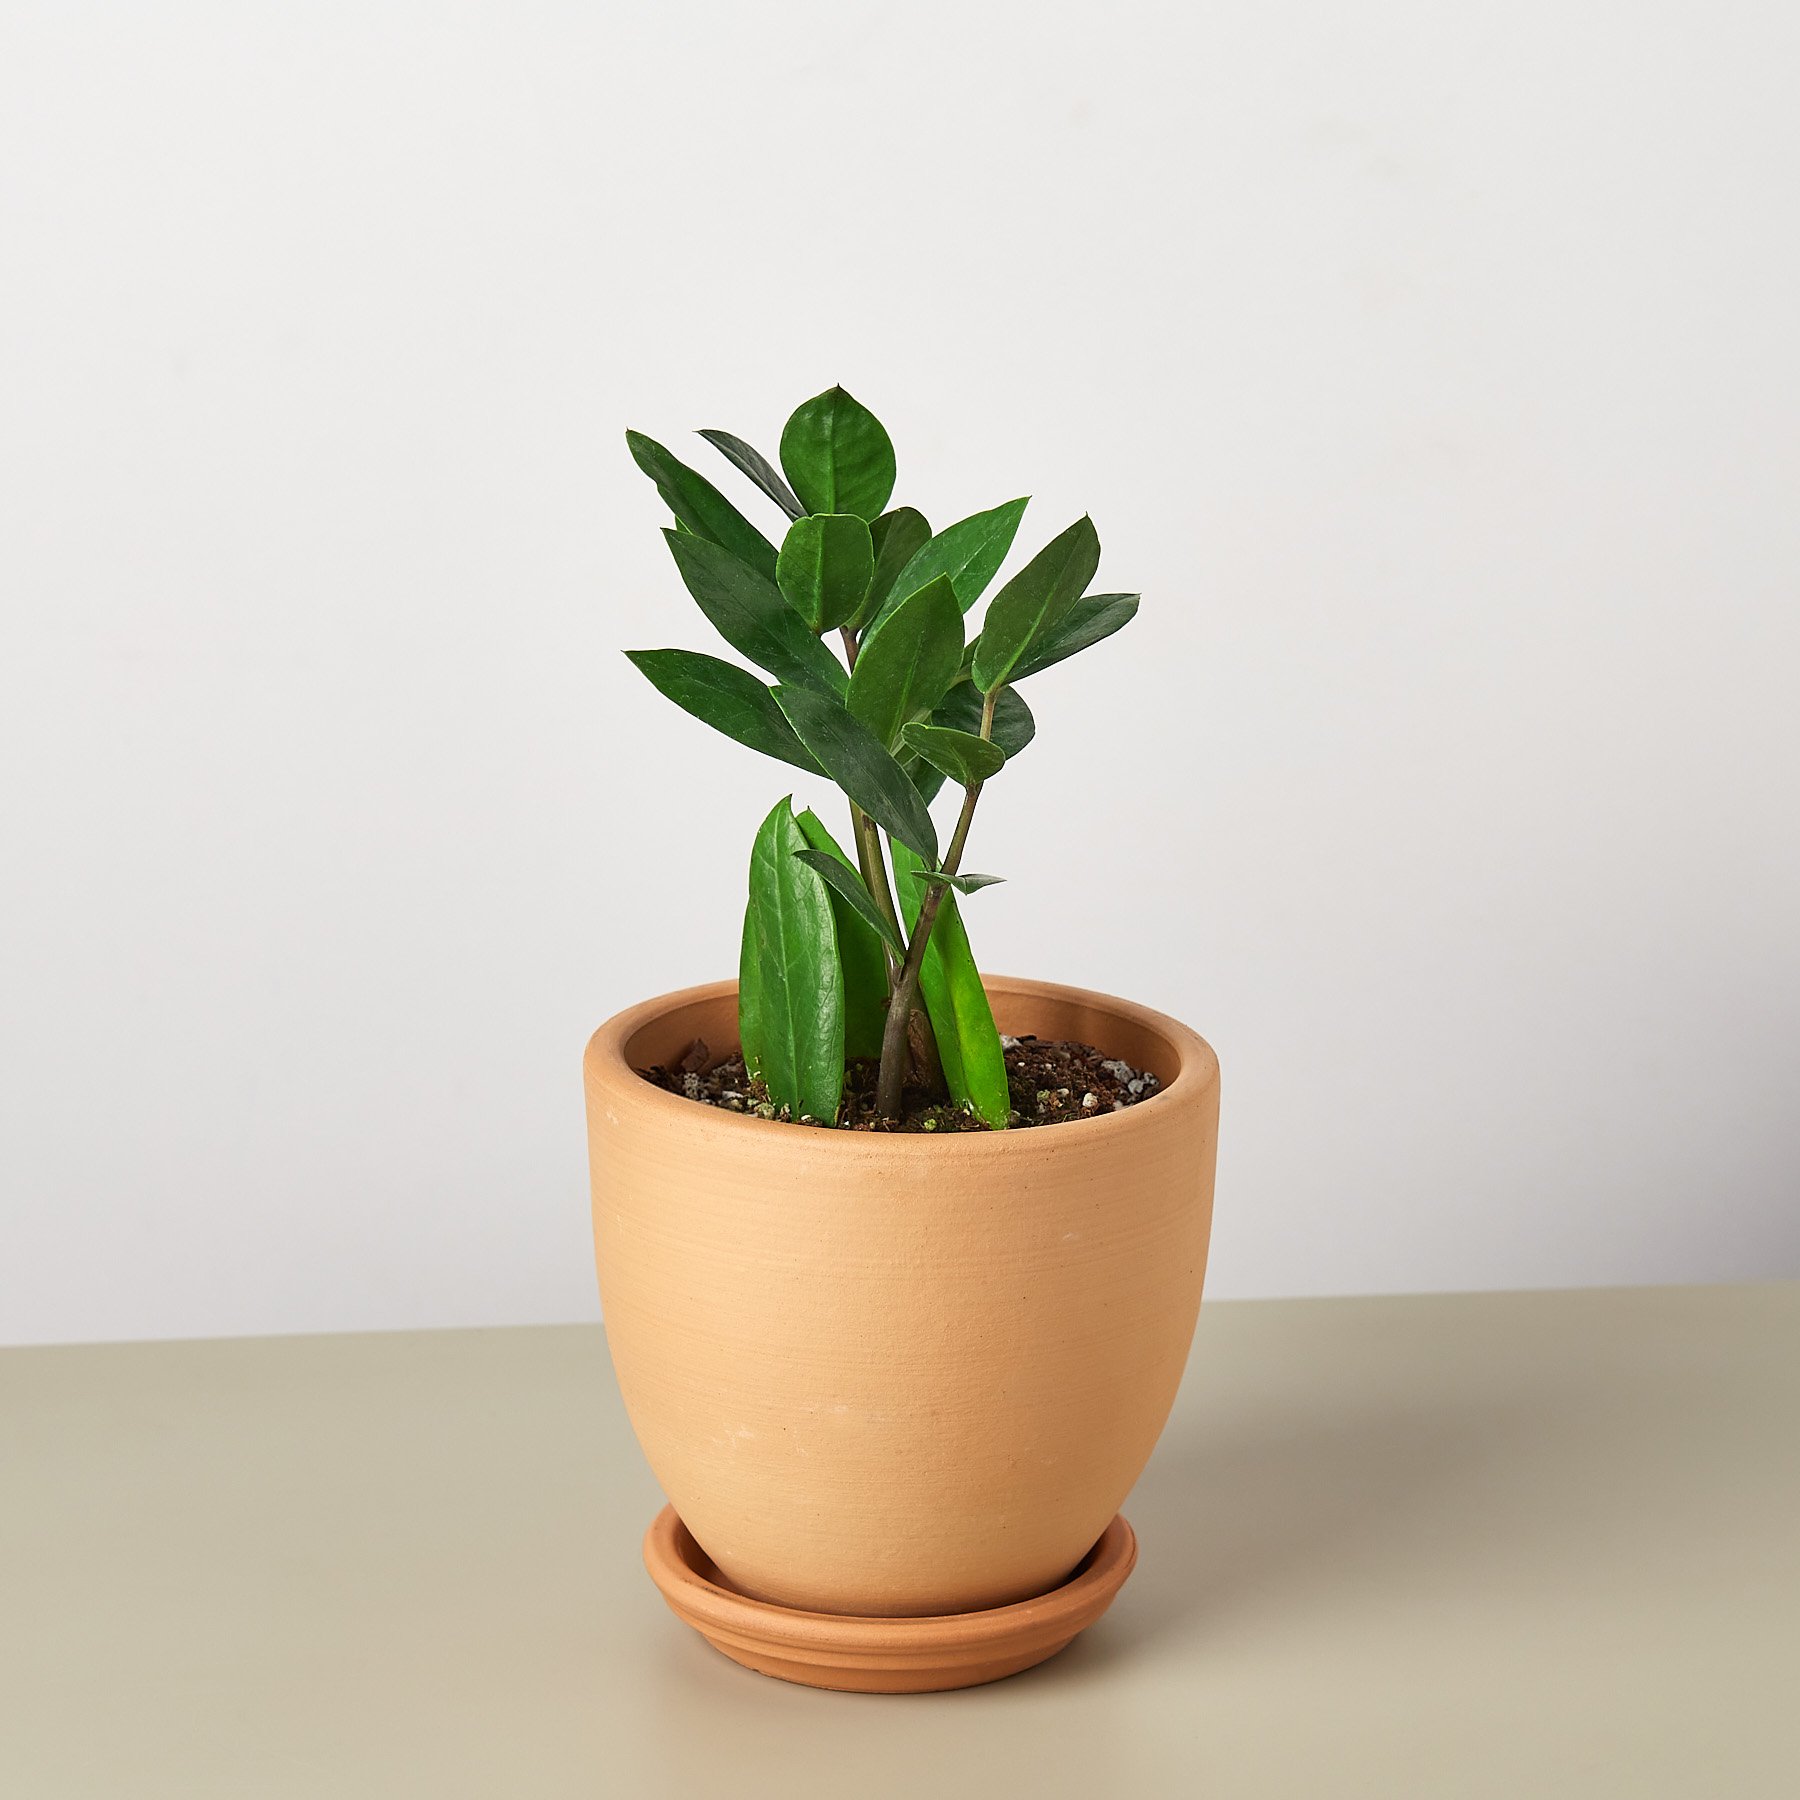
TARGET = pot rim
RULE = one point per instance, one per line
(1197, 1067)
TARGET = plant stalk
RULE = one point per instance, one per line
(867, 836)
(890, 1087)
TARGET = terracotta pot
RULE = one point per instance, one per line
(899, 1375)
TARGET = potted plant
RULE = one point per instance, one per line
(899, 1266)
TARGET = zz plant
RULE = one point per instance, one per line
(864, 954)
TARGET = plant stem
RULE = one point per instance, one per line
(890, 1086)
(868, 843)
(875, 878)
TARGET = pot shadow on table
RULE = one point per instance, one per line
(1247, 1511)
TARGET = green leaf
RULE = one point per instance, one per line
(962, 755)
(750, 1006)
(748, 612)
(699, 506)
(861, 766)
(970, 552)
(859, 939)
(827, 562)
(838, 457)
(846, 884)
(1034, 602)
(727, 698)
(957, 1003)
(758, 467)
(964, 884)
(799, 980)
(907, 663)
(960, 710)
(898, 537)
(1086, 622)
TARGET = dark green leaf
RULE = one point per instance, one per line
(727, 698)
(699, 506)
(758, 467)
(907, 663)
(749, 613)
(847, 885)
(859, 942)
(1034, 602)
(898, 537)
(800, 983)
(1086, 622)
(960, 710)
(970, 552)
(838, 457)
(962, 755)
(964, 884)
(957, 1004)
(827, 561)
(750, 1007)
(861, 766)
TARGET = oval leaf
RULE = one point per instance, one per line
(727, 698)
(758, 467)
(699, 507)
(750, 1008)
(859, 939)
(960, 710)
(838, 457)
(957, 1004)
(799, 983)
(847, 885)
(907, 663)
(827, 562)
(1086, 622)
(962, 755)
(970, 552)
(964, 884)
(898, 535)
(1034, 602)
(858, 762)
(749, 613)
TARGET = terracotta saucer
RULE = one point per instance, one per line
(883, 1656)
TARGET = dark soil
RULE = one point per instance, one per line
(1052, 1083)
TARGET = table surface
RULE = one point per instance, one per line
(1509, 1545)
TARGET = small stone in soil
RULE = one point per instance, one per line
(1050, 1083)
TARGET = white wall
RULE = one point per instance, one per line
(1432, 370)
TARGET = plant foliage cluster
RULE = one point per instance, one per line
(863, 952)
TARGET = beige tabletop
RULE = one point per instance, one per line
(1508, 1545)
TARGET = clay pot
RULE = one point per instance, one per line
(899, 1375)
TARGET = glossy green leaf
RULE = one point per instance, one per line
(898, 535)
(956, 1003)
(727, 698)
(699, 506)
(960, 710)
(838, 456)
(847, 885)
(966, 758)
(1086, 622)
(750, 1008)
(859, 939)
(800, 983)
(970, 552)
(758, 467)
(907, 663)
(827, 562)
(964, 884)
(1035, 602)
(860, 764)
(748, 612)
